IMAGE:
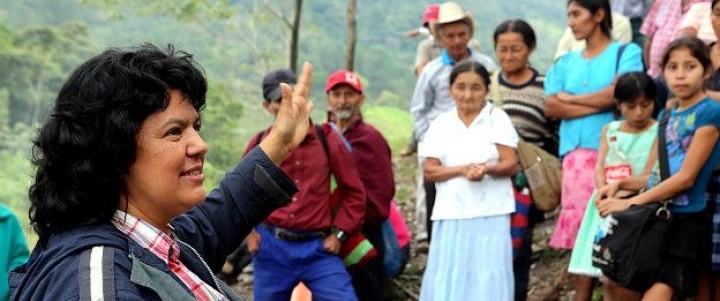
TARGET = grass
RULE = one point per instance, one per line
(396, 126)
(394, 123)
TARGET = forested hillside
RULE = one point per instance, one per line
(236, 41)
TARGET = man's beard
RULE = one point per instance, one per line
(343, 114)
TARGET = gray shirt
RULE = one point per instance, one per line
(432, 91)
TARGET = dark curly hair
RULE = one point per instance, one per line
(86, 146)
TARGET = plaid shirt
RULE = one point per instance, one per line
(166, 248)
(663, 24)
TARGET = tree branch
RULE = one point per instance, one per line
(277, 13)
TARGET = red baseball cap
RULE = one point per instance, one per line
(343, 76)
(431, 13)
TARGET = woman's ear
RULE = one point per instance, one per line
(600, 15)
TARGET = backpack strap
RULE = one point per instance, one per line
(619, 56)
(323, 140)
(345, 141)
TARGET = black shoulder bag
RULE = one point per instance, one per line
(629, 245)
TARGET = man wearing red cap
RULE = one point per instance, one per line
(428, 49)
(300, 242)
(371, 154)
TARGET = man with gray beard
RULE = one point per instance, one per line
(371, 154)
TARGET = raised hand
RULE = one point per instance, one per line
(292, 122)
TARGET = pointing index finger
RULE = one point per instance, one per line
(304, 84)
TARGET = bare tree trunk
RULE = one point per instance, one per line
(352, 34)
(295, 28)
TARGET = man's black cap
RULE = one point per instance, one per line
(271, 83)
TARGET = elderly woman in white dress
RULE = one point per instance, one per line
(470, 155)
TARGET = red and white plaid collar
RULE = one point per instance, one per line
(165, 247)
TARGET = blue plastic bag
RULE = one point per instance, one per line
(394, 259)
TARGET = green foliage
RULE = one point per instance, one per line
(14, 190)
(184, 10)
(14, 151)
(396, 126)
(39, 58)
(219, 123)
(390, 99)
(393, 123)
(4, 108)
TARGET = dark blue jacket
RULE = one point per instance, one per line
(99, 259)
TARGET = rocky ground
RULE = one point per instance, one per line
(546, 271)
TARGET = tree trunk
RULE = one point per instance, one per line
(295, 35)
(352, 34)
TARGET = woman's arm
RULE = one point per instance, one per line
(700, 148)
(507, 163)
(647, 47)
(556, 107)
(600, 164)
(434, 171)
(602, 100)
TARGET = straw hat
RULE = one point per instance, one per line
(451, 12)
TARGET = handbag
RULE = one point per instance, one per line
(542, 169)
(628, 246)
(544, 175)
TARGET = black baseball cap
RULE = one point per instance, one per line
(271, 83)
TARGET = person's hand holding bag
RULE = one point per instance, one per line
(292, 122)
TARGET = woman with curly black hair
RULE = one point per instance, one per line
(118, 201)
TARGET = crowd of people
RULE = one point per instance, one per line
(618, 65)
(121, 214)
